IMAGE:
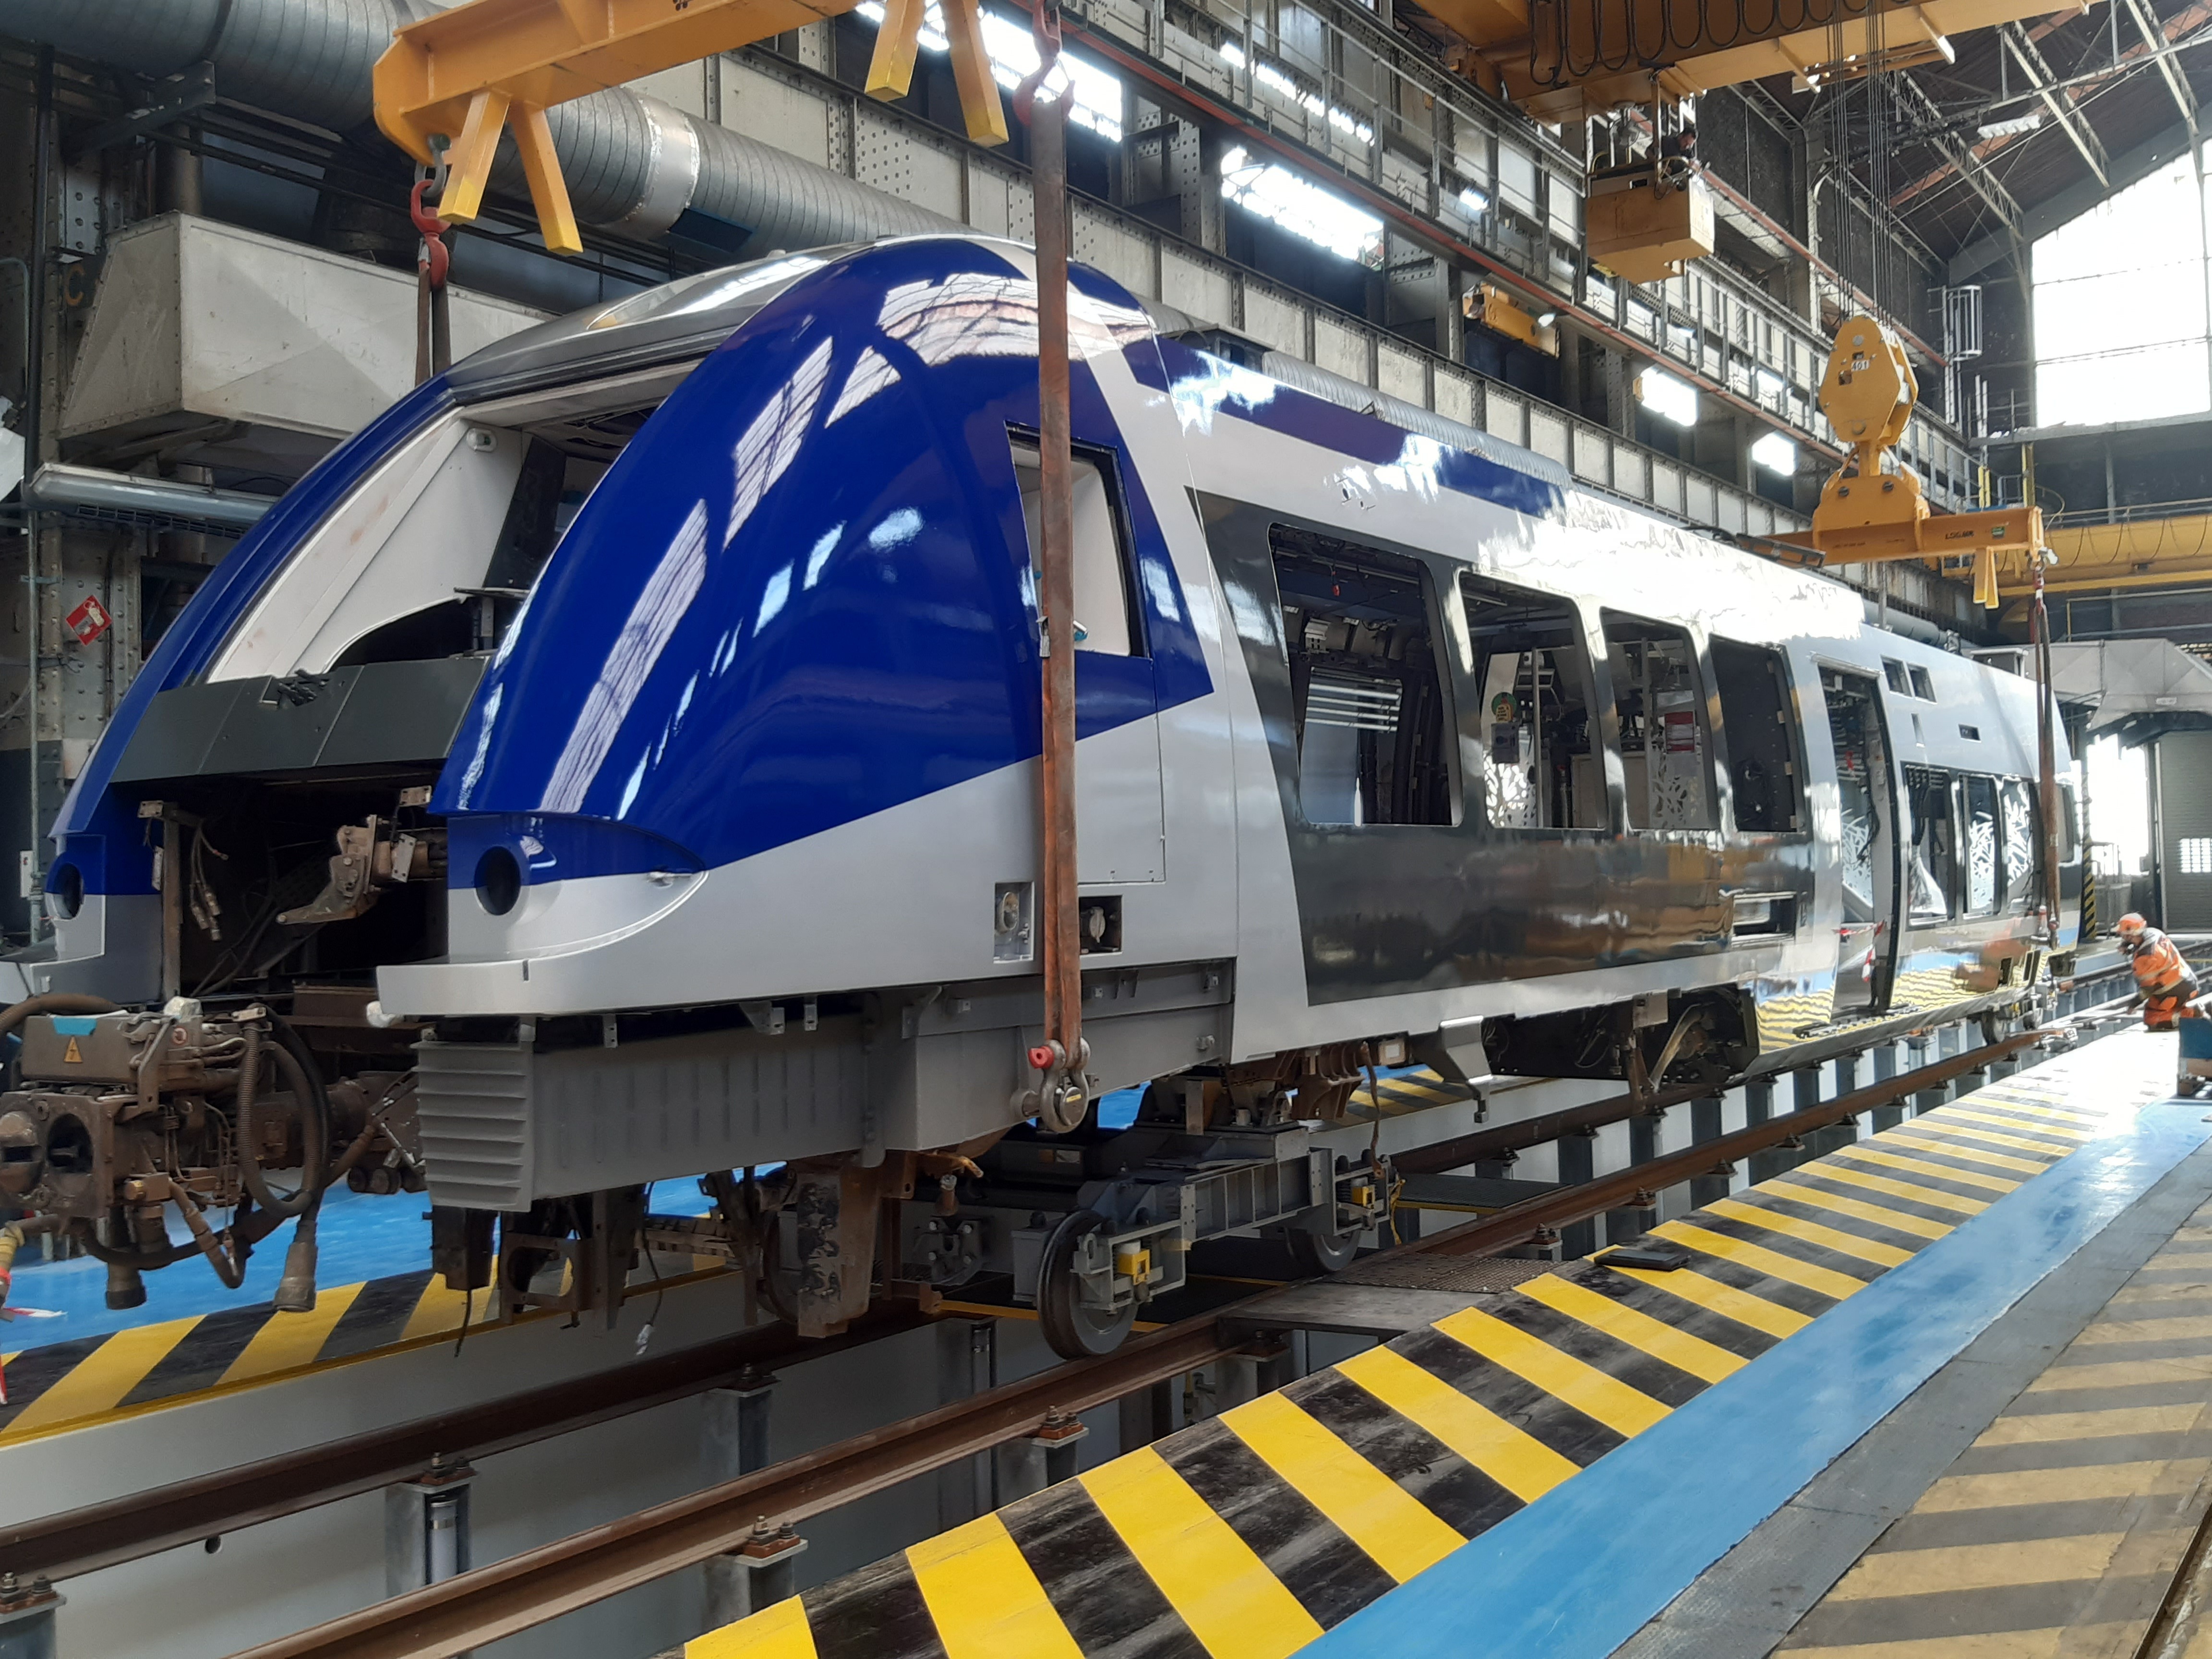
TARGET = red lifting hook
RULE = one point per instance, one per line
(435, 253)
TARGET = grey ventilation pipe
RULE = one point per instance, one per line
(632, 163)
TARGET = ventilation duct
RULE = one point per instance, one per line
(632, 163)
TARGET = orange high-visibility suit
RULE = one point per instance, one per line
(2166, 980)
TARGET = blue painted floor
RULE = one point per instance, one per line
(360, 1237)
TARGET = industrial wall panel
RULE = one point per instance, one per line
(883, 153)
(1199, 290)
(1666, 485)
(1730, 516)
(933, 179)
(1504, 415)
(1459, 397)
(1341, 350)
(2184, 815)
(1406, 180)
(1516, 178)
(1275, 320)
(1400, 374)
(1631, 470)
(1547, 433)
(1698, 497)
(987, 196)
(1592, 453)
(776, 112)
(1121, 253)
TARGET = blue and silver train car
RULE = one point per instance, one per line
(626, 748)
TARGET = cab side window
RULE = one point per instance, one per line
(1765, 779)
(1541, 766)
(1659, 698)
(1369, 702)
(1103, 615)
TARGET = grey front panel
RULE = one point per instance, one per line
(371, 714)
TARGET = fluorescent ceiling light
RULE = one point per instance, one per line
(1668, 398)
(1275, 192)
(1013, 57)
(1777, 453)
(2028, 123)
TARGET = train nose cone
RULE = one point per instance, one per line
(22, 1159)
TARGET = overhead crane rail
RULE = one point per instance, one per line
(528, 1589)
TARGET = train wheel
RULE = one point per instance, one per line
(1074, 1331)
(1316, 1254)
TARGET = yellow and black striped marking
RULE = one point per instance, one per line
(1247, 1536)
(75, 1384)
(1408, 1091)
(2059, 1531)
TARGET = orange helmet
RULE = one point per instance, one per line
(2132, 924)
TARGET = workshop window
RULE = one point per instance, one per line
(1756, 717)
(1659, 701)
(1979, 801)
(1102, 610)
(1367, 699)
(1541, 769)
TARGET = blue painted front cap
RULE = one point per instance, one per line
(802, 595)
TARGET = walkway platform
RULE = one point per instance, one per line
(1599, 1459)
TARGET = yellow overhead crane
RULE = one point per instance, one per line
(1567, 60)
(1866, 513)
(462, 75)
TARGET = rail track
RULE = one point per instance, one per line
(530, 1588)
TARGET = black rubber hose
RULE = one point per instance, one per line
(294, 1059)
(55, 1002)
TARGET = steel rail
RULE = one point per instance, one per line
(1535, 1218)
(525, 1590)
(1523, 1134)
(558, 1577)
(84, 1540)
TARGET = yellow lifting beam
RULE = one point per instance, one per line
(465, 73)
(1865, 514)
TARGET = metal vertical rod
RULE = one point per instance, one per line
(1063, 983)
(33, 440)
(2046, 740)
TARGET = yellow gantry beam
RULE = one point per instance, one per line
(488, 65)
(2150, 553)
(1683, 47)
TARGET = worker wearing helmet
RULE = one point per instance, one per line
(2163, 980)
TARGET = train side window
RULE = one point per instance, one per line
(1934, 846)
(1540, 770)
(1755, 714)
(1102, 557)
(1894, 675)
(1365, 691)
(2020, 884)
(1923, 687)
(1979, 803)
(1659, 698)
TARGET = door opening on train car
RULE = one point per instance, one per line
(1866, 795)
(1540, 770)
(1369, 701)
(1659, 698)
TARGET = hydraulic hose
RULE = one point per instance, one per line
(55, 1002)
